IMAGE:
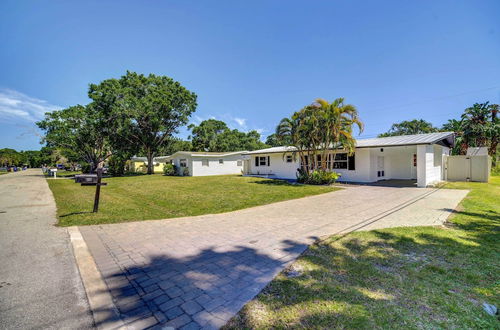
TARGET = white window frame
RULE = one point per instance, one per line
(183, 161)
(263, 161)
(221, 161)
(239, 163)
(205, 162)
(289, 159)
(341, 161)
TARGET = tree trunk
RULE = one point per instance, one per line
(150, 162)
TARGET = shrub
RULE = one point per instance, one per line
(169, 169)
(317, 177)
(86, 168)
(185, 172)
(117, 165)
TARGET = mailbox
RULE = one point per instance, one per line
(86, 179)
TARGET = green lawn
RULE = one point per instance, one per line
(159, 197)
(64, 174)
(417, 278)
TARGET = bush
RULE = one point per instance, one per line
(169, 169)
(185, 172)
(117, 165)
(317, 177)
(86, 168)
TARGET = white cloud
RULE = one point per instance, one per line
(15, 105)
(241, 122)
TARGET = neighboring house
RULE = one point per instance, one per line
(417, 157)
(207, 163)
(140, 164)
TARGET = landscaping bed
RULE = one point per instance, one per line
(412, 277)
(146, 197)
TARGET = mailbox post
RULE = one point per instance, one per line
(97, 189)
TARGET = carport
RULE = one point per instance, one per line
(406, 160)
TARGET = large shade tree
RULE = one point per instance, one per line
(144, 111)
(410, 127)
(215, 136)
(78, 132)
(321, 129)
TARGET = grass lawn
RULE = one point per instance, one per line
(3, 172)
(64, 174)
(159, 197)
(417, 278)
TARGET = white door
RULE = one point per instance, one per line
(380, 168)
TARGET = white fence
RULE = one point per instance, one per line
(467, 168)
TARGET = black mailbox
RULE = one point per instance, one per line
(86, 179)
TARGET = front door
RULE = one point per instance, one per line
(380, 168)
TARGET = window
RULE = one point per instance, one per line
(239, 163)
(183, 163)
(221, 161)
(262, 161)
(289, 158)
(340, 161)
(204, 162)
(351, 163)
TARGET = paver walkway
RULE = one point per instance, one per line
(199, 271)
(40, 287)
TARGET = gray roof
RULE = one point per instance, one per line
(271, 150)
(405, 140)
(207, 153)
(390, 141)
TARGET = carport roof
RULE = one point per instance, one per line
(390, 141)
(405, 140)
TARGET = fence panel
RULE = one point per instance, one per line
(468, 168)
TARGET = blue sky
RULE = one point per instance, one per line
(252, 63)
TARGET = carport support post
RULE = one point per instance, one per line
(97, 189)
(425, 159)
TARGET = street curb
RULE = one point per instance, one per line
(104, 311)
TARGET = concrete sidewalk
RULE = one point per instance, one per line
(40, 287)
(197, 272)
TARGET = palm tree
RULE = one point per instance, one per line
(454, 125)
(318, 128)
(337, 129)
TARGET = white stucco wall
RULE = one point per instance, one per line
(430, 164)
(283, 170)
(230, 165)
(398, 163)
(277, 166)
(362, 168)
(196, 168)
(176, 161)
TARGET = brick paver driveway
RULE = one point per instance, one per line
(199, 271)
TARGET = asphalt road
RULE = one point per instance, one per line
(40, 287)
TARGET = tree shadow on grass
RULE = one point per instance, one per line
(277, 182)
(74, 213)
(383, 279)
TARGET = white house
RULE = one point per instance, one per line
(417, 157)
(208, 163)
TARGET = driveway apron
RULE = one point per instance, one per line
(197, 272)
(40, 287)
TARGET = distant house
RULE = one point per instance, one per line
(417, 157)
(207, 163)
(140, 164)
